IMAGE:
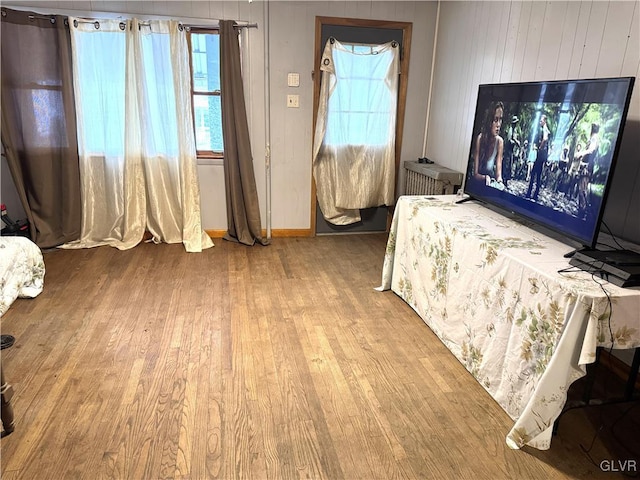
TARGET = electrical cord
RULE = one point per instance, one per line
(596, 275)
(587, 451)
(608, 378)
(613, 237)
(600, 276)
(609, 304)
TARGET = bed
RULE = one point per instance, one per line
(21, 275)
(21, 270)
(490, 289)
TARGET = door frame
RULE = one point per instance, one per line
(406, 28)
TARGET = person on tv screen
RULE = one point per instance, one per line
(489, 148)
(512, 150)
(530, 156)
(574, 173)
(587, 161)
(542, 149)
(563, 170)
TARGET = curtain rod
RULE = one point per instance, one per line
(42, 17)
(88, 16)
(238, 25)
(188, 25)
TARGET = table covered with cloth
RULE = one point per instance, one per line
(490, 288)
(21, 270)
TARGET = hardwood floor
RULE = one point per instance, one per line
(275, 362)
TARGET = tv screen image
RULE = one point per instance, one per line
(546, 151)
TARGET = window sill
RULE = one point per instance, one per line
(211, 161)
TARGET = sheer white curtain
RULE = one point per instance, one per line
(354, 143)
(135, 135)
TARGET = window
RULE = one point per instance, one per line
(205, 92)
(48, 113)
(362, 106)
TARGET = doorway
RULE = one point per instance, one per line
(372, 32)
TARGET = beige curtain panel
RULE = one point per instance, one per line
(136, 145)
(354, 142)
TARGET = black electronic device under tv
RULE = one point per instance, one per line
(546, 151)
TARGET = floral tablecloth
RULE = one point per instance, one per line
(21, 270)
(489, 288)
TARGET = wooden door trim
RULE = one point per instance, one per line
(406, 28)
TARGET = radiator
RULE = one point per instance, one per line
(430, 179)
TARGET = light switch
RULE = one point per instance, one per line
(293, 80)
(293, 101)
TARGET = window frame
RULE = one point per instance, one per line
(201, 154)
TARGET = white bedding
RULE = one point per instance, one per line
(21, 270)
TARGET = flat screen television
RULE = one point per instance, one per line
(546, 151)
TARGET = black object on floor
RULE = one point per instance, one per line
(6, 341)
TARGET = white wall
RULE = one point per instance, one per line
(291, 49)
(292, 26)
(492, 42)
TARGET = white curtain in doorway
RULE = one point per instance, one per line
(135, 136)
(354, 143)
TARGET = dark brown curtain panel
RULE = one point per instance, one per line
(243, 210)
(39, 123)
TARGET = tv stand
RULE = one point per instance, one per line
(620, 267)
(465, 200)
(491, 289)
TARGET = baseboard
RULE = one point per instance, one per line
(285, 232)
(288, 232)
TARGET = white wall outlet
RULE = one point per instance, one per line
(293, 101)
(293, 80)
